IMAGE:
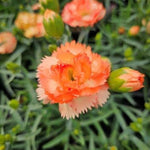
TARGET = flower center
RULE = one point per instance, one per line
(70, 74)
(84, 13)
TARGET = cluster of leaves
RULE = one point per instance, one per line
(123, 122)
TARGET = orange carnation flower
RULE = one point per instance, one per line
(74, 77)
(8, 42)
(83, 13)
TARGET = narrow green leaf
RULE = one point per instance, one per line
(96, 119)
(58, 139)
(139, 143)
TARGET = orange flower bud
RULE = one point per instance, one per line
(134, 30)
(125, 80)
(121, 30)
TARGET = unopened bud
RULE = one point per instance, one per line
(53, 24)
(125, 80)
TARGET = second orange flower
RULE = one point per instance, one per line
(83, 13)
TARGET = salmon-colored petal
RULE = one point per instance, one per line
(133, 79)
(88, 90)
(40, 30)
(82, 104)
(44, 67)
(102, 96)
(74, 48)
(42, 96)
(63, 97)
(82, 68)
(64, 56)
(67, 111)
(77, 106)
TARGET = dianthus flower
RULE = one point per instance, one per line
(75, 78)
(31, 24)
(83, 13)
(8, 42)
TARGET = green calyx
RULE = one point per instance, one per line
(54, 27)
(115, 83)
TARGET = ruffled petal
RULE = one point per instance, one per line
(42, 96)
(102, 96)
(77, 106)
(67, 111)
(82, 104)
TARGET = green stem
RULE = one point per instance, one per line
(83, 35)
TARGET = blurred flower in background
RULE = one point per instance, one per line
(8, 42)
(75, 78)
(36, 6)
(121, 30)
(31, 24)
(134, 30)
(83, 13)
